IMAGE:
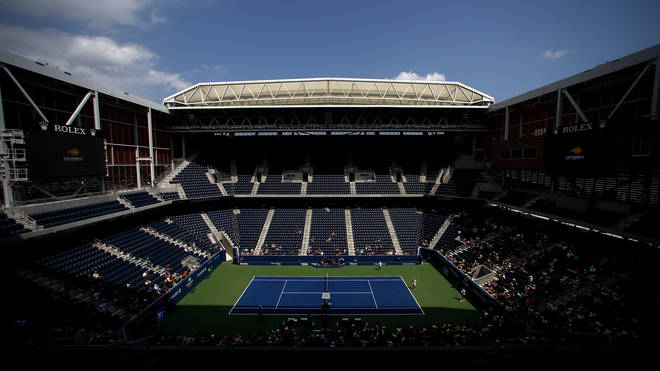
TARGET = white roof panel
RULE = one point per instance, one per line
(328, 92)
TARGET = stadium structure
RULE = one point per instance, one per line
(155, 198)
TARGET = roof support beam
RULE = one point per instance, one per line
(655, 101)
(97, 112)
(79, 108)
(150, 130)
(630, 89)
(25, 94)
(575, 105)
(2, 113)
(506, 123)
(558, 114)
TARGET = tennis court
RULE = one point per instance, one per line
(344, 295)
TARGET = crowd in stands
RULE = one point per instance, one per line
(322, 334)
(84, 310)
(552, 280)
(376, 249)
(552, 284)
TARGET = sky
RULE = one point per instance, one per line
(155, 48)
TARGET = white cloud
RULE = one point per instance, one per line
(127, 67)
(435, 76)
(173, 80)
(157, 18)
(554, 54)
(92, 12)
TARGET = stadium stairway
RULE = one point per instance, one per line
(264, 232)
(390, 228)
(438, 180)
(402, 189)
(21, 218)
(211, 226)
(125, 202)
(153, 193)
(349, 232)
(255, 188)
(441, 232)
(306, 232)
(175, 242)
(142, 263)
(209, 175)
(457, 251)
(167, 180)
(422, 172)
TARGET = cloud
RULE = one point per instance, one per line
(552, 54)
(156, 18)
(99, 14)
(435, 76)
(212, 70)
(128, 67)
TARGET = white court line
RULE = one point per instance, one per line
(372, 294)
(318, 279)
(413, 296)
(281, 292)
(243, 293)
(331, 292)
(347, 314)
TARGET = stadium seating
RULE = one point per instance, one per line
(244, 185)
(461, 184)
(227, 221)
(414, 185)
(407, 224)
(285, 232)
(145, 246)
(179, 233)
(250, 223)
(328, 233)
(431, 223)
(274, 185)
(85, 260)
(69, 215)
(9, 227)
(370, 232)
(170, 196)
(194, 224)
(448, 240)
(328, 184)
(382, 185)
(139, 199)
(195, 183)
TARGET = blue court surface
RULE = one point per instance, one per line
(347, 295)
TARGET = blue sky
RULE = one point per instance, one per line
(153, 48)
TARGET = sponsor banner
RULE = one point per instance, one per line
(63, 129)
(306, 260)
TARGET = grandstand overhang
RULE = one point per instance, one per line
(328, 93)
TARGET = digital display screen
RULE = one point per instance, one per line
(583, 153)
(57, 155)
